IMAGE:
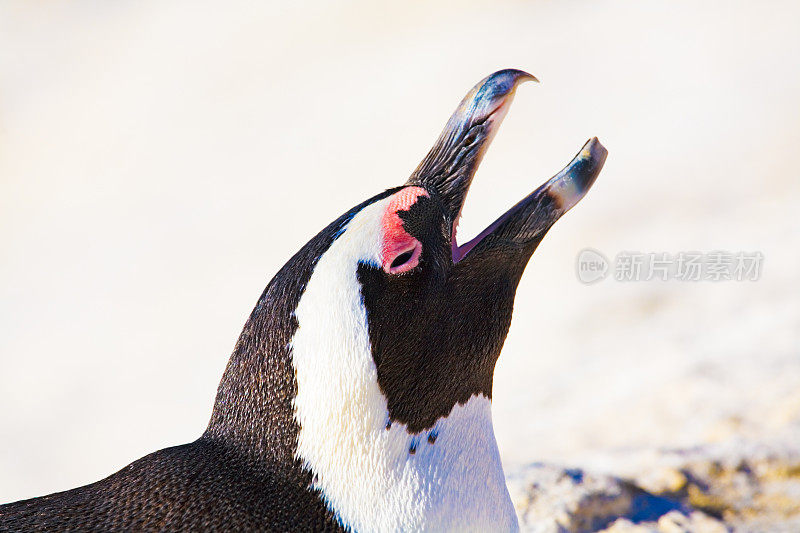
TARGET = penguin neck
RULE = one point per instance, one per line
(253, 413)
(372, 473)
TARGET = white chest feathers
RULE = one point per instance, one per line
(453, 481)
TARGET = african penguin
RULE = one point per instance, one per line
(358, 396)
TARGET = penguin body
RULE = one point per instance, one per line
(358, 396)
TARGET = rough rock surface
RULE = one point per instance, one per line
(708, 489)
(550, 499)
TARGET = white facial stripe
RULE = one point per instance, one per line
(364, 471)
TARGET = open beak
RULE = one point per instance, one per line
(450, 166)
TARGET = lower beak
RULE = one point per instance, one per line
(523, 226)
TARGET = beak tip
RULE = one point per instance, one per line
(595, 153)
(504, 82)
(572, 183)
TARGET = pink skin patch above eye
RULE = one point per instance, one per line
(396, 241)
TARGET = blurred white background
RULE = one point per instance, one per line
(160, 161)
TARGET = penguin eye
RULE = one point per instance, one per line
(404, 260)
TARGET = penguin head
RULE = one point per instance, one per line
(384, 318)
(437, 311)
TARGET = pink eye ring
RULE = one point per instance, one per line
(400, 252)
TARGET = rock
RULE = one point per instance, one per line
(550, 499)
(672, 522)
(760, 491)
(664, 480)
(624, 525)
(675, 522)
(737, 487)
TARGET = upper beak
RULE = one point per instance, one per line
(450, 166)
